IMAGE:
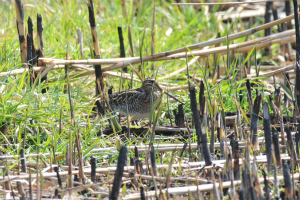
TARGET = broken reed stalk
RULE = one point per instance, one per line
(291, 146)
(58, 177)
(254, 121)
(98, 70)
(80, 157)
(40, 36)
(33, 50)
(201, 136)
(236, 163)
(21, 30)
(122, 48)
(40, 52)
(153, 33)
(268, 136)
(21, 190)
(93, 169)
(287, 6)
(275, 139)
(143, 197)
(23, 161)
(269, 6)
(287, 181)
(195, 115)
(119, 174)
(80, 42)
(297, 67)
(266, 185)
(153, 161)
(30, 58)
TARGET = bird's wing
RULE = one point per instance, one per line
(120, 97)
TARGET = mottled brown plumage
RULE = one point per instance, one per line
(137, 101)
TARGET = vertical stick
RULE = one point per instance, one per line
(93, 169)
(153, 33)
(122, 48)
(40, 35)
(21, 190)
(297, 68)
(153, 161)
(21, 30)
(58, 177)
(268, 13)
(30, 32)
(78, 144)
(31, 54)
(38, 186)
(201, 134)
(29, 58)
(118, 174)
(80, 42)
(70, 152)
(143, 197)
(287, 180)
(254, 122)
(287, 6)
(98, 71)
(40, 51)
(275, 139)
(180, 116)
(268, 135)
(23, 162)
(30, 186)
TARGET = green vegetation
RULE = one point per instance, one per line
(42, 122)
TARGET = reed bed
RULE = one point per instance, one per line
(235, 137)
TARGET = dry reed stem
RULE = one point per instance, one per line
(171, 147)
(222, 3)
(191, 62)
(201, 188)
(245, 49)
(167, 55)
(238, 48)
(111, 170)
(242, 47)
(203, 44)
(223, 49)
(163, 179)
(240, 15)
(205, 52)
(28, 155)
(274, 72)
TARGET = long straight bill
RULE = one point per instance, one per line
(173, 97)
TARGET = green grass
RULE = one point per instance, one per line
(175, 27)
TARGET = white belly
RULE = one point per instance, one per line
(136, 116)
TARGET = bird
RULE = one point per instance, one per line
(137, 102)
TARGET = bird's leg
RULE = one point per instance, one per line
(134, 123)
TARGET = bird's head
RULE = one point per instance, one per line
(151, 84)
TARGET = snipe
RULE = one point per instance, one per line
(137, 101)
